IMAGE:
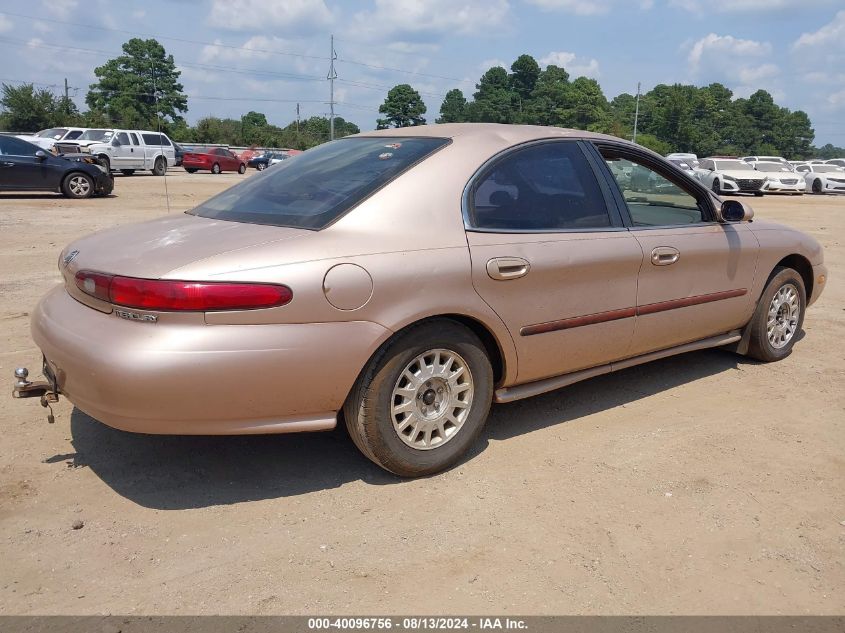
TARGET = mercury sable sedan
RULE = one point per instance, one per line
(403, 280)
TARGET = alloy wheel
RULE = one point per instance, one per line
(79, 186)
(784, 311)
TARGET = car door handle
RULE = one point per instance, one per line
(504, 268)
(665, 255)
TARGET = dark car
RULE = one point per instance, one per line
(265, 160)
(27, 167)
(178, 151)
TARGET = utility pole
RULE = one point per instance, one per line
(66, 103)
(297, 118)
(331, 77)
(636, 113)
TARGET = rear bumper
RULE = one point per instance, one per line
(179, 378)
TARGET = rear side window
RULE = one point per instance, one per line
(134, 138)
(321, 184)
(155, 139)
(545, 187)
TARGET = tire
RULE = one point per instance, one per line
(242, 168)
(127, 172)
(191, 170)
(409, 452)
(159, 167)
(261, 166)
(215, 168)
(716, 188)
(105, 162)
(817, 186)
(78, 185)
(776, 297)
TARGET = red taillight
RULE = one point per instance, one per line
(171, 295)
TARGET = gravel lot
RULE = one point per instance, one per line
(701, 484)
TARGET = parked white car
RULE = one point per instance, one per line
(765, 159)
(781, 178)
(46, 139)
(822, 178)
(685, 164)
(689, 159)
(730, 175)
(129, 151)
(839, 162)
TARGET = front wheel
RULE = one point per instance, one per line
(242, 168)
(422, 399)
(78, 185)
(817, 186)
(716, 188)
(215, 168)
(159, 167)
(261, 166)
(778, 317)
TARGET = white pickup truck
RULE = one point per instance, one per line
(129, 151)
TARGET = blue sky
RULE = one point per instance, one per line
(265, 55)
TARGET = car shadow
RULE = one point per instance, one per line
(181, 472)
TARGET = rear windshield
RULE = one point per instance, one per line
(321, 184)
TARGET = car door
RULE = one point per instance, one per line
(552, 258)
(231, 163)
(21, 169)
(122, 154)
(697, 273)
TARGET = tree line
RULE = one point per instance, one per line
(705, 120)
(141, 89)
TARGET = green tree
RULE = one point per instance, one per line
(403, 107)
(548, 98)
(524, 74)
(586, 107)
(454, 107)
(139, 88)
(828, 151)
(494, 99)
(27, 109)
(254, 128)
(653, 143)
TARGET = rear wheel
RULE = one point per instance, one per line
(778, 317)
(261, 166)
(127, 172)
(422, 399)
(241, 168)
(78, 185)
(215, 168)
(160, 166)
(817, 186)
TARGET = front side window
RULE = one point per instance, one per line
(123, 138)
(321, 184)
(544, 187)
(652, 199)
(134, 138)
(11, 146)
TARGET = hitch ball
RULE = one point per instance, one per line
(22, 373)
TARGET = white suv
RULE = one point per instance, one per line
(129, 151)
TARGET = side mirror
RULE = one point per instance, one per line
(735, 211)
(41, 154)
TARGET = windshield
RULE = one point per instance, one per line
(54, 133)
(773, 167)
(321, 184)
(733, 165)
(826, 169)
(681, 164)
(96, 135)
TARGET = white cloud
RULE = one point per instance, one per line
(587, 7)
(434, 17)
(487, 64)
(256, 47)
(574, 65)
(830, 34)
(725, 50)
(5, 24)
(260, 15)
(742, 6)
(62, 9)
(139, 14)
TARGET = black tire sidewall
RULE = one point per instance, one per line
(760, 347)
(372, 418)
(215, 168)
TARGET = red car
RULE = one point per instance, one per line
(215, 160)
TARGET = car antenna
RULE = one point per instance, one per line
(160, 139)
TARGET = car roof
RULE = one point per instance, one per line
(509, 133)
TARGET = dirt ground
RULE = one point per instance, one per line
(700, 484)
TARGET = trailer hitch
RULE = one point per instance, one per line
(48, 390)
